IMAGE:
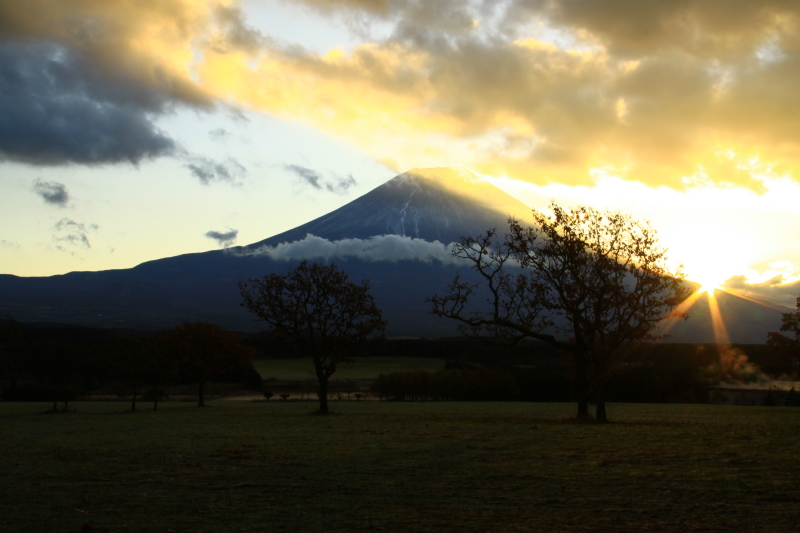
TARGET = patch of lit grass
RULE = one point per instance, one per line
(361, 368)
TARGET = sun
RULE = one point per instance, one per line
(709, 282)
(710, 253)
(709, 288)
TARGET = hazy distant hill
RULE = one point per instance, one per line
(401, 218)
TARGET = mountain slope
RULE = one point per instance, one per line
(434, 205)
(429, 204)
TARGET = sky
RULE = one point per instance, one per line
(132, 130)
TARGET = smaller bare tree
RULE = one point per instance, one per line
(320, 310)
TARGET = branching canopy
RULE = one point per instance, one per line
(596, 279)
(318, 307)
(583, 280)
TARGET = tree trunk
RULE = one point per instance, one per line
(600, 411)
(56, 392)
(200, 397)
(600, 393)
(323, 397)
(157, 395)
(581, 386)
(133, 400)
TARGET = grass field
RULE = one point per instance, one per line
(362, 368)
(375, 466)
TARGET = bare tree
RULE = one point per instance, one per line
(319, 309)
(585, 281)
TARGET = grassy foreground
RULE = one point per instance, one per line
(362, 368)
(246, 467)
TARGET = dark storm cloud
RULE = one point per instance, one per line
(337, 185)
(224, 239)
(56, 109)
(52, 192)
(73, 233)
(207, 170)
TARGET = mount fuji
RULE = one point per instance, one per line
(437, 204)
(397, 236)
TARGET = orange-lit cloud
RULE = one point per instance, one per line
(698, 99)
(781, 289)
(703, 28)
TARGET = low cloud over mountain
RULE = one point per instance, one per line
(378, 248)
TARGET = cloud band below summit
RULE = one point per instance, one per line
(378, 248)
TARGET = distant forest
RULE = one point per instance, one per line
(45, 362)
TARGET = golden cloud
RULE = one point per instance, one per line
(703, 28)
(666, 93)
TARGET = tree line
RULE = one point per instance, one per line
(60, 364)
(647, 373)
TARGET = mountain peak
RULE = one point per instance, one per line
(434, 204)
(443, 175)
(463, 183)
